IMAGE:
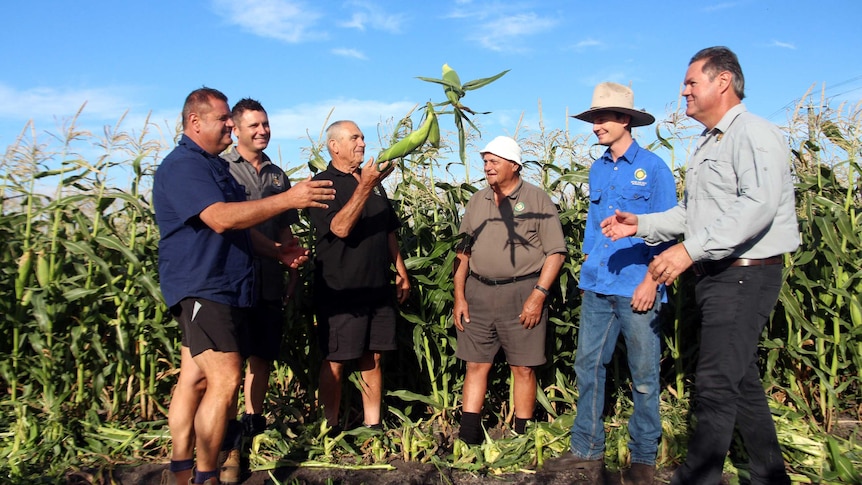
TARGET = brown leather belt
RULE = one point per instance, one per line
(503, 281)
(715, 267)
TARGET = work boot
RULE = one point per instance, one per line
(580, 468)
(639, 474)
(230, 467)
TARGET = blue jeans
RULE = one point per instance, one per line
(735, 305)
(603, 317)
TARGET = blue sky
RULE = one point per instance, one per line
(303, 58)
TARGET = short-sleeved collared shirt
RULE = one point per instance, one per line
(357, 268)
(514, 238)
(271, 180)
(639, 182)
(194, 260)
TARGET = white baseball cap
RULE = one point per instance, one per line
(504, 147)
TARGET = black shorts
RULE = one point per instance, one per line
(348, 335)
(208, 325)
(265, 329)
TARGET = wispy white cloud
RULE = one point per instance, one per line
(291, 21)
(367, 15)
(47, 102)
(506, 32)
(588, 43)
(353, 53)
(292, 123)
(783, 45)
(718, 6)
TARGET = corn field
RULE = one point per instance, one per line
(89, 353)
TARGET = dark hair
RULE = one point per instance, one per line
(617, 116)
(718, 60)
(243, 105)
(199, 98)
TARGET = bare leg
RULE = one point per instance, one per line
(524, 383)
(256, 384)
(223, 373)
(372, 386)
(330, 389)
(475, 386)
(186, 397)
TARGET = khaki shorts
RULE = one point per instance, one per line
(495, 323)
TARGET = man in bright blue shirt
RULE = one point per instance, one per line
(619, 296)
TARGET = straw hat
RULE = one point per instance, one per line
(615, 97)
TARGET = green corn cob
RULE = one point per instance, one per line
(406, 145)
(25, 266)
(434, 133)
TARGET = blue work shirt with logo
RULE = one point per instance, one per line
(194, 260)
(639, 182)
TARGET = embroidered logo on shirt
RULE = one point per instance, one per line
(640, 174)
(519, 207)
(276, 180)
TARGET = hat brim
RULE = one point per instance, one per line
(639, 118)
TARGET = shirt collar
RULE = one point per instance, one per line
(512, 195)
(338, 173)
(191, 145)
(628, 156)
(232, 155)
(724, 124)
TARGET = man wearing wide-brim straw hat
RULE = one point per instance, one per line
(619, 295)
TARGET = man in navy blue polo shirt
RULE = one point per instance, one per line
(618, 294)
(206, 276)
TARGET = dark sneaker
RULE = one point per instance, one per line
(253, 424)
(639, 474)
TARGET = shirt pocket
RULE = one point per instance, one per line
(716, 179)
(635, 198)
(232, 190)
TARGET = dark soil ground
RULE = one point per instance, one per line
(404, 473)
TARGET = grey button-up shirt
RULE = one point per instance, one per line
(739, 199)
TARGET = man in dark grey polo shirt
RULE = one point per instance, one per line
(511, 253)
(254, 170)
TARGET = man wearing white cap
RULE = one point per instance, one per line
(618, 293)
(512, 250)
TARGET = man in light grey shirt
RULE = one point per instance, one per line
(738, 219)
